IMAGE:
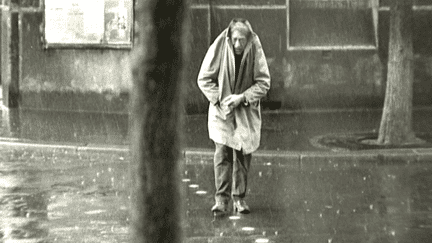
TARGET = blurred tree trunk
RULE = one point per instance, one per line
(396, 121)
(158, 59)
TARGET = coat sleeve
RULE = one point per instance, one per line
(261, 76)
(208, 75)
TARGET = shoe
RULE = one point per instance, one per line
(220, 207)
(241, 206)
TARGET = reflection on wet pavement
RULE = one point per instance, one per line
(64, 195)
(22, 202)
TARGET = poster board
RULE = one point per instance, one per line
(88, 23)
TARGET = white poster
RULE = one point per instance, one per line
(74, 21)
(91, 22)
(94, 17)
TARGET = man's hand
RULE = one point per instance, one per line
(233, 101)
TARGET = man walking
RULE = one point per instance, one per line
(234, 76)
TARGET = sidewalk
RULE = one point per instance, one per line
(286, 136)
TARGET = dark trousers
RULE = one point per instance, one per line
(231, 168)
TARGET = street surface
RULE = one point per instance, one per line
(64, 178)
(64, 195)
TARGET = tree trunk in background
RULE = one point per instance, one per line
(158, 59)
(396, 121)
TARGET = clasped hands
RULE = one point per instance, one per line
(232, 101)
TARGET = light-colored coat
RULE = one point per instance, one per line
(241, 128)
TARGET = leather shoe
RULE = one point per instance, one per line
(220, 207)
(241, 206)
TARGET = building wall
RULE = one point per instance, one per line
(314, 78)
(81, 79)
(99, 80)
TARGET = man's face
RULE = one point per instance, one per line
(239, 42)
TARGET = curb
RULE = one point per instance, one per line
(295, 159)
(323, 159)
(66, 146)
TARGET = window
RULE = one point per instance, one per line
(332, 24)
(84, 23)
(418, 4)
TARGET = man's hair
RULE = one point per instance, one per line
(239, 24)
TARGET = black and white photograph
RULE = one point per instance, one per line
(216, 121)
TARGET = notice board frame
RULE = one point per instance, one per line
(88, 24)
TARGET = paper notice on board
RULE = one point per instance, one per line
(94, 17)
(55, 25)
(74, 21)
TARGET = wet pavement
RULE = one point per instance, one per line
(60, 195)
(74, 186)
(65, 195)
(281, 131)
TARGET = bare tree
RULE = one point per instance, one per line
(158, 59)
(396, 121)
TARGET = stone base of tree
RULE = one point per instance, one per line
(366, 141)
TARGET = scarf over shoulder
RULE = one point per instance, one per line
(241, 128)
